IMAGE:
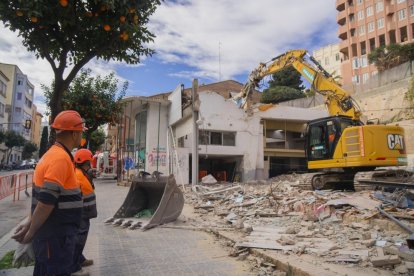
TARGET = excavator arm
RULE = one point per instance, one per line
(337, 100)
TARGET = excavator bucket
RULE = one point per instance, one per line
(153, 192)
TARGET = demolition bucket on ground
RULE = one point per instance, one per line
(153, 192)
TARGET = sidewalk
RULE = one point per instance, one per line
(160, 251)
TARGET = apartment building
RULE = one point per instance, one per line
(367, 24)
(18, 103)
(330, 58)
(36, 126)
(4, 82)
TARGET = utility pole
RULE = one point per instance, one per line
(196, 108)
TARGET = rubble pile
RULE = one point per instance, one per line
(337, 226)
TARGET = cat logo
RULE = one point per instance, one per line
(395, 142)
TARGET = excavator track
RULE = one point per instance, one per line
(326, 180)
(394, 178)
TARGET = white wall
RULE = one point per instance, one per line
(153, 117)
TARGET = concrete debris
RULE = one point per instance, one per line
(208, 179)
(334, 226)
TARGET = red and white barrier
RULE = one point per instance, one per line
(14, 183)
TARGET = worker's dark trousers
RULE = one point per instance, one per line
(78, 257)
(54, 255)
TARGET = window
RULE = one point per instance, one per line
(402, 14)
(412, 10)
(19, 96)
(28, 102)
(19, 82)
(371, 26)
(180, 142)
(18, 109)
(355, 79)
(400, 1)
(379, 6)
(359, 2)
(229, 138)
(337, 57)
(1, 110)
(365, 77)
(3, 88)
(380, 23)
(326, 60)
(217, 138)
(361, 30)
(364, 61)
(355, 63)
(360, 15)
(370, 11)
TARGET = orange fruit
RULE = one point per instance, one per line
(19, 13)
(136, 18)
(122, 19)
(107, 27)
(63, 3)
(123, 36)
(34, 19)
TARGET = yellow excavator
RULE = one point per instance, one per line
(341, 147)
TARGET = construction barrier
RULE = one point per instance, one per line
(24, 181)
(14, 183)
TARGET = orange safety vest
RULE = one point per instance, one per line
(88, 194)
(55, 184)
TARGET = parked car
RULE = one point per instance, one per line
(27, 164)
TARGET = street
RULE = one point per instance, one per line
(117, 251)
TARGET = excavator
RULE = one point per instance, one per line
(340, 149)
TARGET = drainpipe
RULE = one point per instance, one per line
(158, 141)
(196, 107)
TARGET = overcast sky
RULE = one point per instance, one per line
(206, 39)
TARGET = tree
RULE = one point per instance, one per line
(96, 140)
(287, 77)
(277, 94)
(68, 34)
(13, 139)
(386, 57)
(43, 141)
(95, 98)
(28, 150)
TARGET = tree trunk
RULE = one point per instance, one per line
(56, 105)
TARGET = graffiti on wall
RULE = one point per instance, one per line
(162, 157)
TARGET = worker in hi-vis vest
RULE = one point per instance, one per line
(56, 210)
(83, 158)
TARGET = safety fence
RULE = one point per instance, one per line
(13, 184)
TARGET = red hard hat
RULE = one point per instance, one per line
(83, 155)
(69, 120)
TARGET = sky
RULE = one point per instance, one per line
(211, 40)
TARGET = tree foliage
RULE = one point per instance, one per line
(28, 150)
(97, 139)
(43, 141)
(287, 77)
(13, 139)
(277, 94)
(97, 99)
(69, 33)
(392, 55)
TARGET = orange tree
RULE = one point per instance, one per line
(97, 99)
(69, 33)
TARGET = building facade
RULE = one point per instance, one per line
(330, 58)
(18, 104)
(368, 24)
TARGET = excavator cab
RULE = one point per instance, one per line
(323, 136)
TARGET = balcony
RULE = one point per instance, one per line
(343, 46)
(342, 32)
(389, 9)
(341, 17)
(340, 5)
